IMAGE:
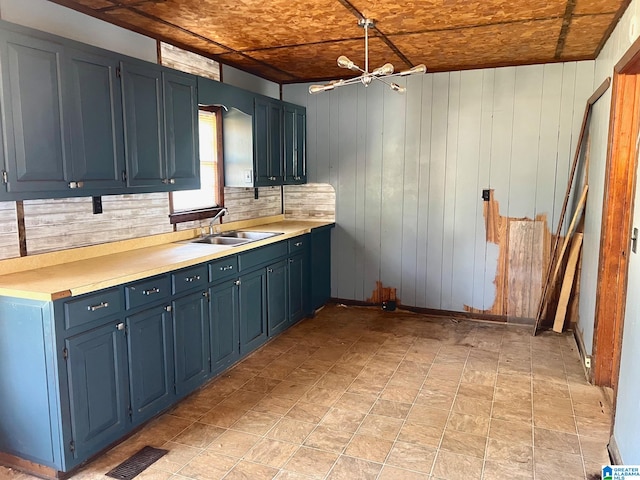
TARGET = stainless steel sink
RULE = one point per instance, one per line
(215, 240)
(235, 238)
(249, 235)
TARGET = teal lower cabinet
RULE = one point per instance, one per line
(151, 366)
(224, 318)
(191, 341)
(78, 374)
(98, 388)
(298, 287)
(253, 310)
(277, 308)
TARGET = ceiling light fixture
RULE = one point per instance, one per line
(381, 73)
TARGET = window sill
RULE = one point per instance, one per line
(193, 215)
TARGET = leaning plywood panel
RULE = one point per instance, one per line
(411, 183)
(467, 192)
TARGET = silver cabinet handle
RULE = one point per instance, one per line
(93, 308)
(76, 184)
(272, 178)
(226, 267)
(236, 283)
(169, 181)
(151, 291)
(291, 260)
(168, 308)
(120, 326)
(298, 244)
(205, 294)
(296, 178)
(192, 279)
(270, 270)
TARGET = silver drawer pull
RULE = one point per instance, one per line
(93, 308)
(151, 291)
(192, 279)
(298, 244)
(272, 178)
(226, 267)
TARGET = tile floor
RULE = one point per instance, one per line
(358, 393)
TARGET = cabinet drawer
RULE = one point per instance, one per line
(298, 244)
(92, 307)
(224, 268)
(146, 291)
(261, 256)
(189, 278)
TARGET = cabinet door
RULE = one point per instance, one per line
(34, 115)
(277, 308)
(95, 117)
(150, 362)
(181, 130)
(276, 165)
(298, 287)
(320, 267)
(224, 319)
(191, 341)
(294, 137)
(261, 144)
(97, 376)
(253, 314)
(143, 124)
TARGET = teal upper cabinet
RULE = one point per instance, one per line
(295, 140)
(213, 93)
(37, 143)
(161, 118)
(181, 129)
(95, 121)
(268, 143)
(73, 128)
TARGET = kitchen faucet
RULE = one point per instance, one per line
(217, 216)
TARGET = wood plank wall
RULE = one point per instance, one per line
(9, 246)
(409, 172)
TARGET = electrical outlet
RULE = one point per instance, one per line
(486, 195)
(97, 205)
(587, 362)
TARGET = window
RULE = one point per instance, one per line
(190, 205)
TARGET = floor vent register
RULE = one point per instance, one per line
(137, 463)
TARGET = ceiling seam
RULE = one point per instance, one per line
(566, 24)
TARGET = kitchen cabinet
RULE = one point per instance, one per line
(151, 366)
(295, 141)
(224, 321)
(320, 254)
(82, 121)
(191, 345)
(94, 111)
(277, 298)
(253, 310)
(98, 387)
(37, 147)
(268, 154)
(102, 363)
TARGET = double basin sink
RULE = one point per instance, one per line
(235, 238)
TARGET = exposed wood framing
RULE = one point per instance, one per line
(22, 231)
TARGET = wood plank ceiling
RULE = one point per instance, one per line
(299, 40)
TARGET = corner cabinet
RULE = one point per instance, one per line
(82, 121)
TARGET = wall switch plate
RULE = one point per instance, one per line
(587, 361)
(486, 195)
(248, 176)
(97, 204)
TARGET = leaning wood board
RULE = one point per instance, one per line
(567, 283)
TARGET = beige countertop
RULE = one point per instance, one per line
(116, 264)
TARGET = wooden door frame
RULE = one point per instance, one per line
(617, 214)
